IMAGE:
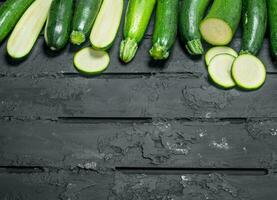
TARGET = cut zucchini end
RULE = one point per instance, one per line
(219, 50)
(128, 49)
(219, 70)
(216, 31)
(195, 47)
(159, 52)
(91, 62)
(248, 72)
(77, 37)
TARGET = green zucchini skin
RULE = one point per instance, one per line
(137, 18)
(165, 31)
(228, 11)
(191, 13)
(254, 25)
(10, 13)
(84, 16)
(58, 24)
(272, 14)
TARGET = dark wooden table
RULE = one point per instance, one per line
(146, 130)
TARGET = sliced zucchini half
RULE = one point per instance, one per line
(248, 72)
(219, 70)
(90, 61)
(106, 24)
(219, 50)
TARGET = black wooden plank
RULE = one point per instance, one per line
(194, 187)
(181, 96)
(53, 185)
(82, 186)
(42, 61)
(103, 145)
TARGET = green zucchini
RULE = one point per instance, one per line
(137, 18)
(254, 25)
(248, 72)
(165, 31)
(219, 70)
(220, 25)
(272, 13)
(91, 62)
(57, 28)
(106, 24)
(84, 16)
(28, 29)
(10, 13)
(191, 13)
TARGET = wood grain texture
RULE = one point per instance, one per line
(167, 96)
(102, 146)
(66, 185)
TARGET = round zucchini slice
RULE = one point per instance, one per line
(90, 61)
(219, 50)
(219, 70)
(248, 72)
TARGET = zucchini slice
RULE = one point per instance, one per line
(219, 50)
(106, 24)
(248, 72)
(219, 70)
(90, 61)
(28, 29)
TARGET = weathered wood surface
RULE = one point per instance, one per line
(168, 96)
(82, 185)
(103, 146)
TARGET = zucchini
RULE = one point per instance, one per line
(219, 50)
(272, 13)
(191, 13)
(248, 72)
(220, 25)
(219, 70)
(84, 16)
(106, 24)
(165, 31)
(57, 28)
(254, 25)
(28, 29)
(90, 61)
(137, 18)
(10, 12)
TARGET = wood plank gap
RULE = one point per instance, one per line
(21, 169)
(200, 171)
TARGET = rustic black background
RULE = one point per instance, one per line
(147, 130)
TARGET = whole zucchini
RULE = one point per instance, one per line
(220, 25)
(84, 16)
(137, 18)
(165, 28)
(272, 13)
(57, 28)
(254, 25)
(10, 13)
(191, 13)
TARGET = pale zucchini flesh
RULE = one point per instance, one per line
(216, 31)
(219, 70)
(106, 24)
(248, 72)
(28, 29)
(219, 50)
(90, 61)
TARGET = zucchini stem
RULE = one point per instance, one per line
(195, 47)
(77, 37)
(128, 49)
(159, 52)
